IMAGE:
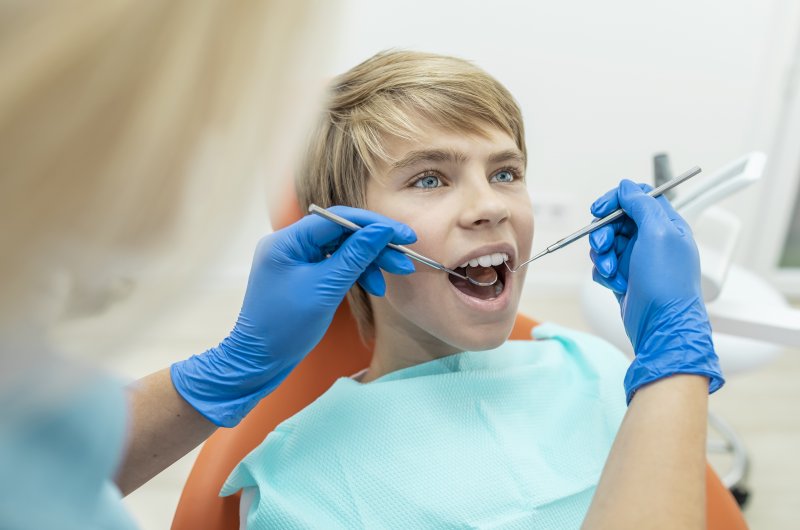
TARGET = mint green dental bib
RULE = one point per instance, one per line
(514, 437)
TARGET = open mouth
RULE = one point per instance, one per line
(480, 274)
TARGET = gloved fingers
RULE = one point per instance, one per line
(624, 256)
(404, 234)
(605, 239)
(621, 244)
(674, 216)
(609, 201)
(604, 263)
(643, 209)
(605, 204)
(395, 262)
(319, 232)
(617, 284)
(390, 260)
(372, 281)
(359, 251)
(602, 239)
(626, 227)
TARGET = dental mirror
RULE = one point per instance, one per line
(483, 276)
(486, 277)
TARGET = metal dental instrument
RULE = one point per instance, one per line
(400, 248)
(607, 219)
(656, 192)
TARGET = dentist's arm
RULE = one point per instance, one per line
(298, 279)
(655, 474)
(163, 427)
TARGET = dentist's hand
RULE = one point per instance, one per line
(650, 261)
(291, 297)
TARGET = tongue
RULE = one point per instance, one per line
(475, 291)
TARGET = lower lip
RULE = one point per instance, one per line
(492, 305)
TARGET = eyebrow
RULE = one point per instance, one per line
(444, 155)
(429, 155)
(509, 155)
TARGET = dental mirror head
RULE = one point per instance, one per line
(481, 276)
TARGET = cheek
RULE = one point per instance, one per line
(525, 226)
(416, 293)
(526, 239)
(411, 291)
(418, 287)
(427, 223)
(414, 302)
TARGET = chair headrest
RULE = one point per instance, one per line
(286, 210)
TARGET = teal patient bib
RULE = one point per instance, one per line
(514, 437)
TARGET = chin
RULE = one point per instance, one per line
(488, 337)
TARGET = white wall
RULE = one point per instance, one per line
(604, 85)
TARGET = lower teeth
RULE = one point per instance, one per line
(498, 288)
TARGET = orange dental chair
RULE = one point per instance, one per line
(339, 354)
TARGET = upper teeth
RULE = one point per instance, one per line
(489, 260)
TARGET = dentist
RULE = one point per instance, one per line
(112, 119)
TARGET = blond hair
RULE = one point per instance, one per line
(119, 117)
(385, 96)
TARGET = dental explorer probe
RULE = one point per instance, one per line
(400, 248)
(610, 218)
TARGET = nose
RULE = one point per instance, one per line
(482, 206)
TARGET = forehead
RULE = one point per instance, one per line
(437, 144)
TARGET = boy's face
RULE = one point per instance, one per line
(465, 197)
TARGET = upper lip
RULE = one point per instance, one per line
(501, 248)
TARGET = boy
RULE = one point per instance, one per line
(450, 425)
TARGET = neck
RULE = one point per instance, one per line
(398, 347)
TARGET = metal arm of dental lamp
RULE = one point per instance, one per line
(716, 231)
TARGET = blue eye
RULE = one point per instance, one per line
(504, 176)
(428, 182)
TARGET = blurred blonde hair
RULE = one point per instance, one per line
(385, 96)
(124, 121)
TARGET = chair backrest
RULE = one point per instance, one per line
(339, 354)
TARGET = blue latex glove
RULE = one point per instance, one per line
(649, 260)
(292, 295)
